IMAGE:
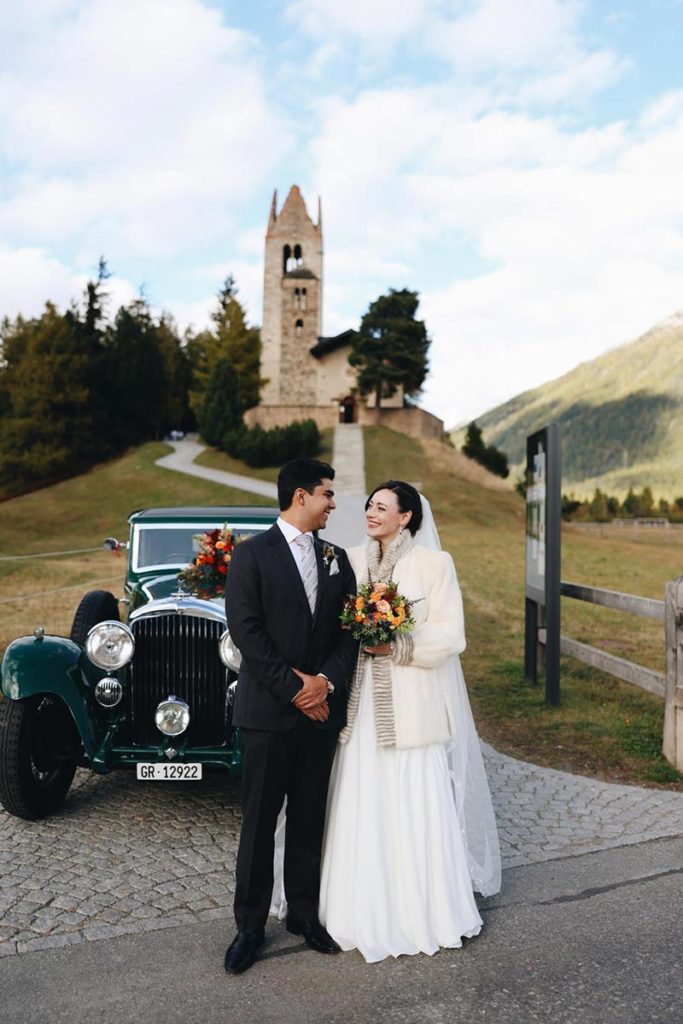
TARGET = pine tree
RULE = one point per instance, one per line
(487, 455)
(219, 413)
(390, 349)
(135, 375)
(474, 446)
(232, 339)
(47, 430)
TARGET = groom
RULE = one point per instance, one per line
(285, 592)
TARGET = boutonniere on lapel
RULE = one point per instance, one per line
(330, 560)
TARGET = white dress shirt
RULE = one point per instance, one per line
(290, 534)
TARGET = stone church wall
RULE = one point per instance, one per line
(269, 416)
(413, 422)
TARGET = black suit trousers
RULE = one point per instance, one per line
(295, 764)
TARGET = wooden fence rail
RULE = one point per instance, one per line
(667, 684)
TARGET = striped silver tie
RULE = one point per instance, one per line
(309, 568)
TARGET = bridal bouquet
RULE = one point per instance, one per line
(205, 575)
(376, 613)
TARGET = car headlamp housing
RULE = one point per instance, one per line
(108, 692)
(172, 716)
(229, 652)
(110, 644)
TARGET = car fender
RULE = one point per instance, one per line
(52, 664)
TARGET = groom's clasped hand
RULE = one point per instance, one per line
(312, 698)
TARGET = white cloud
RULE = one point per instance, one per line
(29, 277)
(578, 233)
(378, 23)
(143, 122)
(509, 34)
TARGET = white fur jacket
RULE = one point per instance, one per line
(416, 708)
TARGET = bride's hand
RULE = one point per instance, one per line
(379, 649)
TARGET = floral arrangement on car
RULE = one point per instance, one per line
(205, 575)
(376, 613)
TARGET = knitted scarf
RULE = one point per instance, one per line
(380, 568)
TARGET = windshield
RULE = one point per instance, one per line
(158, 545)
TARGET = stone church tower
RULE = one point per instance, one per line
(292, 303)
(309, 376)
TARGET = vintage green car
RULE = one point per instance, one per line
(153, 692)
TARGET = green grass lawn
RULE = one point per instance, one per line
(603, 728)
(80, 513)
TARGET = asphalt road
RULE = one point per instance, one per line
(590, 939)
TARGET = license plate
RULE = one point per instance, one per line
(190, 771)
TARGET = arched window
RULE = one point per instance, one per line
(286, 258)
(297, 297)
(302, 299)
(298, 256)
(299, 328)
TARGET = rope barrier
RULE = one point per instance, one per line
(50, 554)
(57, 590)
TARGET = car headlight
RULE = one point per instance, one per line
(110, 644)
(229, 652)
(172, 716)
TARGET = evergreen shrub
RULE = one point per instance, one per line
(258, 447)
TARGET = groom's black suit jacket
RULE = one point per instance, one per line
(270, 620)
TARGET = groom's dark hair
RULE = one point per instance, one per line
(306, 473)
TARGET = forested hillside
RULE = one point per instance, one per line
(621, 417)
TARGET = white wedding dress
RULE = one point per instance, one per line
(395, 877)
(409, 833)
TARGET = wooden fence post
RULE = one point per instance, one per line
(673, 712)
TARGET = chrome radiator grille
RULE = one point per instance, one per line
(178, 654)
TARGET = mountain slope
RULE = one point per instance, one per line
(621, 417)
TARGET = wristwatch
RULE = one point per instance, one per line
(330, 686)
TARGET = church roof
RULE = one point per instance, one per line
(301, 272)
(327, 345)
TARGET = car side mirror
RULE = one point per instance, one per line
(112, 544)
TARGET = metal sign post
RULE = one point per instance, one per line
(543, 513)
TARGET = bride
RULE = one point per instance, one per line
(410, 828)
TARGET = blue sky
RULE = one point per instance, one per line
(518, 162)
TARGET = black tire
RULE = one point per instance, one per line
(39, 750)
(96, 606)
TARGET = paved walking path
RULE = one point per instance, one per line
(182, 461)
(347, 524)
(127, 857)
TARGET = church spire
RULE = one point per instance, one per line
(273, 211)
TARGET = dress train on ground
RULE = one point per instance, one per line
(395, 876)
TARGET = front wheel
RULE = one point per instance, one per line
(39, 750)
(96, 606)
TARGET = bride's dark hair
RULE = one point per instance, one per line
(408, 501)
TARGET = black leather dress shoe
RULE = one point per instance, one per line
(242, 951)
(314, 935)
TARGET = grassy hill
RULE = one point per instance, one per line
(603, 728)
(621, 417)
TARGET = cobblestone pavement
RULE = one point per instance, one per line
(127, 856)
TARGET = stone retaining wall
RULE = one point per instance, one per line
(413, 422)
